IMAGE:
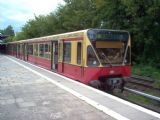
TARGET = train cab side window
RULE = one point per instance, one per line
(67, 52)
(41, 50)
(128, 57)
(79, 52)
(91, 57)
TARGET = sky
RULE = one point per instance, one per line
(18, 12)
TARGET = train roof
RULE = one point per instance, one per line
(53, 37)
(74, 34)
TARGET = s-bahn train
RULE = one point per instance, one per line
(97, 57)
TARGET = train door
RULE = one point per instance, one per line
(55, 55)
(60, 56)
(80, 59)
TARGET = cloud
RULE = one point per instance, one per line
(17, 12)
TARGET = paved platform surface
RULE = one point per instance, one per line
(27, 96)
(28, 92)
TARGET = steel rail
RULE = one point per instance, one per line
(143, 94)
(145, 83)
(143, 78)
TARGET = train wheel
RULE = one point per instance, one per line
(109, 88)
(95, 84)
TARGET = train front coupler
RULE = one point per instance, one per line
(114, 83)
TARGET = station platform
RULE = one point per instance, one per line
(28, 92)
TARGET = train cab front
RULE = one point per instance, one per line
(111, 57)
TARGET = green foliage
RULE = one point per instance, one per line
(112, 13)
(141, 18)
(36, 28)
(19, 36)
(149, 71)
(144, 26)
(142, 100)
(9, 32)
(75, 15)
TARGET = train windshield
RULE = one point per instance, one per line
(111, 46)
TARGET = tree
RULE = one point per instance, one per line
(140, 17)
(144, 26)
(19, 36)
(76, 15)
(9, 32)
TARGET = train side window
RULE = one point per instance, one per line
(91, 57)
(36, 49)
(41, 50)
(30, 49)
(21, 51)
(79, 52)
(67, 52)
(18, 48)
(47, 50)
(46, 47)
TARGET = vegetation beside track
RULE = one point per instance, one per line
(140, 100)
(144, 101)
(148, 71)
(145, 71)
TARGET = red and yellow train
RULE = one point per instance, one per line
(98, 57)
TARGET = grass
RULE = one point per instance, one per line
(148, 71)
(143, 100)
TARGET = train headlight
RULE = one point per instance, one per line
(111, 72)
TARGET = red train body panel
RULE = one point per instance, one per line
(87, 74)
(45, 63)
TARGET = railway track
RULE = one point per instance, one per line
(141, 81)
(142, 94)
(142, 86)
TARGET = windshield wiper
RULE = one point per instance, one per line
(106, 58)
